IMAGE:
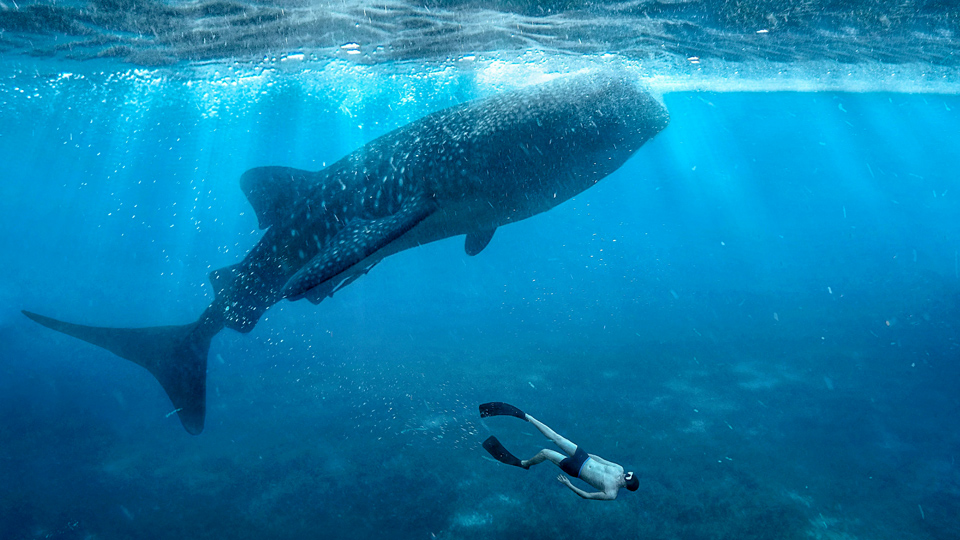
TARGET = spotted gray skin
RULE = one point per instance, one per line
(465, 170)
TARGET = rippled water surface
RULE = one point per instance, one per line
(911, 39)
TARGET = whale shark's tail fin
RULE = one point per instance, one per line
(175, 355)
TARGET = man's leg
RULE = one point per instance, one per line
(568, 447)
(543, 455)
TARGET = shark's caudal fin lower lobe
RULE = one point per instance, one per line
(175, 355)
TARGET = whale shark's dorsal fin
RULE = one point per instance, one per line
(274, 192)
(478, 240)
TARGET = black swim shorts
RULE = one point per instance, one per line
(573, 465)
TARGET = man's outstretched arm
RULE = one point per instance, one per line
(597, 496)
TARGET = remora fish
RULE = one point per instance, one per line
(464, 170)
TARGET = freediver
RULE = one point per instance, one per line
(606, 476)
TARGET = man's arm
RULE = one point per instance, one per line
(597, 496)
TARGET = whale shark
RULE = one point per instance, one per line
(464, 170)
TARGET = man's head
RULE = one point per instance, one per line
(630, 481)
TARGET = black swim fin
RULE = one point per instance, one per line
(499, 408)
(501, 454)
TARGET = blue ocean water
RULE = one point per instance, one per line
(757, 313)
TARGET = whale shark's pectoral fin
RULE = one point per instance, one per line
(359, 239)
(478, 240)
(326, 289)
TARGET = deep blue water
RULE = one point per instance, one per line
(758, 313)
